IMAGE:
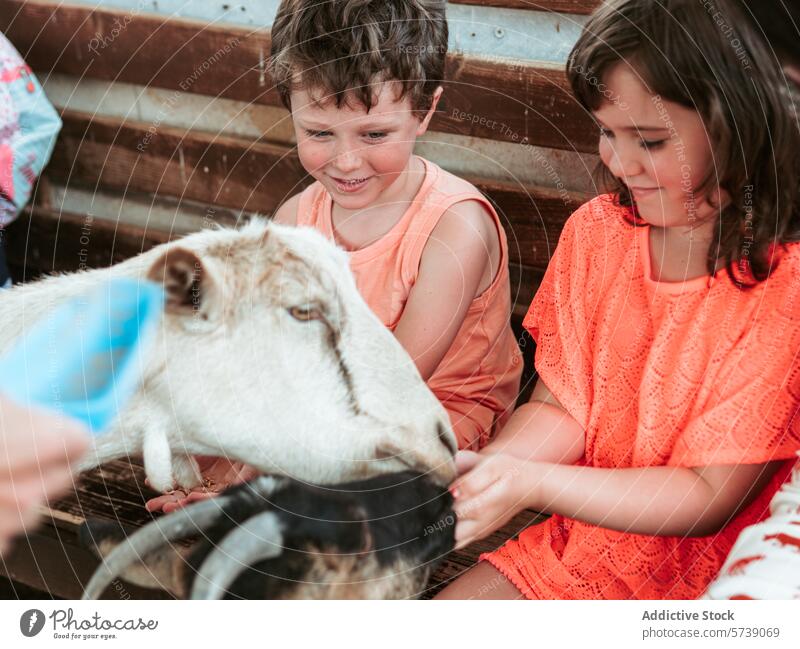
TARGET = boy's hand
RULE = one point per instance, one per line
(218, 474)
(36, 452)
(489, 491)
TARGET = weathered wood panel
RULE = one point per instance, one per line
(257, 177)
(213, 169)
(533, 218)
(46, 241)
(496, 99)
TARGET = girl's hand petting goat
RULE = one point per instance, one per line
(491, 489)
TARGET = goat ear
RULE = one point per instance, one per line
(188, 285)
(272, 244)
(160, 570)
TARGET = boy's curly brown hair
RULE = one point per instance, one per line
(340, 48)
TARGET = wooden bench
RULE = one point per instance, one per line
(124, 168)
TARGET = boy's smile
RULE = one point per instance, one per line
(362, 158)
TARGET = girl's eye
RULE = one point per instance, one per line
(376, 135)
(604, 132)
(651, 144)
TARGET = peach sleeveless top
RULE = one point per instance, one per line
(688, 374)
(477, 381)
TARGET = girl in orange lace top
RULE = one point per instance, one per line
(667, 327)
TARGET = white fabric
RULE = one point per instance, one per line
(765, 560)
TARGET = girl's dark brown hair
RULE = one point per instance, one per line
(705, 55)
(340, 48)
(779, 22)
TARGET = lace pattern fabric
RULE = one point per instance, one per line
(693, 373)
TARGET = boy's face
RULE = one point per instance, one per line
(356, 155)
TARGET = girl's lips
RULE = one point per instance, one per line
(346, 186)
(644, 192)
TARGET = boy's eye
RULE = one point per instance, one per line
(376, 135)
(318, 134)
(651, 144)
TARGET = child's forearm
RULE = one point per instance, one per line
(663, 501)
(540, 432)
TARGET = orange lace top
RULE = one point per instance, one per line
(692, 373)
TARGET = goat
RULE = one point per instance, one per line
(278, 538)
(266, 354)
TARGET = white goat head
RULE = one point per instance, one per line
(283, 539)
(267, 354)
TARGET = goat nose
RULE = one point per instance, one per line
(445, 473)
(439, 465)
(446, 437)
(442, 463)
(442, 472)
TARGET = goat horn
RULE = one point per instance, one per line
(256, 539)
(177, 525)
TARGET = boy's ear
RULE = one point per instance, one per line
(423, 125)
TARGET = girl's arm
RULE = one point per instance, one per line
(455, 260)
(540, 431)
(660, 501)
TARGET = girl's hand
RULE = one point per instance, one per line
(218, 474)
(489, 492)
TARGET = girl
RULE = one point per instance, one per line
(667, 324)
(28, 128)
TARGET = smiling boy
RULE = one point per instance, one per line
(362, 80)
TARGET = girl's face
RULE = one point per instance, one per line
(659, 149)
(357, 156)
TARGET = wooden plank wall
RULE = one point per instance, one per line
(121, 156)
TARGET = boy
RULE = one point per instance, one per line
(362, 79)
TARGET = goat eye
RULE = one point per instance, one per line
(305, 313)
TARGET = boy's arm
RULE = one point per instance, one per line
(453, 264)
(541, 431)
(287, 213)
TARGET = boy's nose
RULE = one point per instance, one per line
(347, 161)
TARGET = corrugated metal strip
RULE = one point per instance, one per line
(486, 32)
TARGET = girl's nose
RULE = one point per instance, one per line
(624, 165)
